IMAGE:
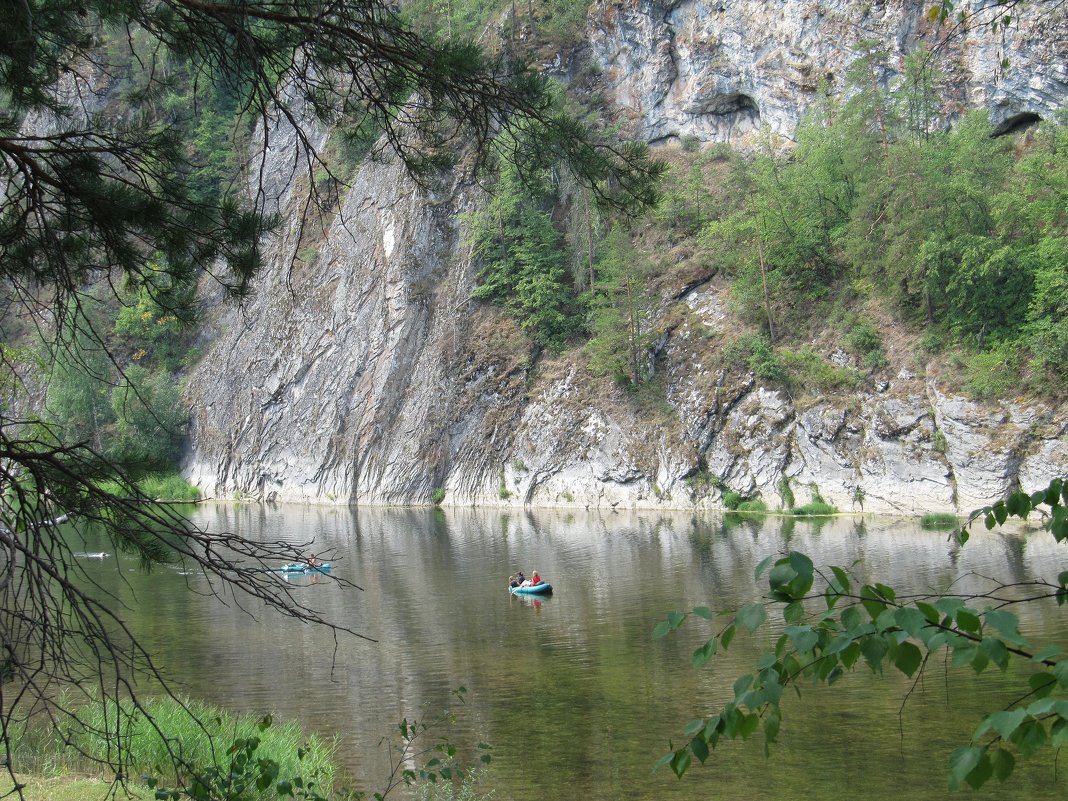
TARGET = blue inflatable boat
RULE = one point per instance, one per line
(545, 588)
(303, 567)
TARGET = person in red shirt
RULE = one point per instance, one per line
(535, 579)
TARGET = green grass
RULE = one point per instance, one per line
(69, 788)
(170, 487)
(754, 506)
(196, 733)
(158, 486)
(814, 509)
(939, 521)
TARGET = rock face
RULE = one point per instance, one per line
(361, 371)
(721, 71)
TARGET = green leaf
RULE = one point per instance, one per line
(693, 727)
(874, 649)
(1006, 722)
(962, 762)
(801, 564)
(949, 605)
(741, 684)
(794, 612)
(841, 580)
(760, 568)
(852, 618)
(981, 773)
(1003, 763)
(803, 638)
(968, 621)
(726, 637)
(703, 654)
(929, 612)
(751, 617)
(1042, 684)
(748, 725)
(1048, 652)
(908, 658)
(703, 612)
(911, 620)
(1006, 624)
(699, 748)
(772, 722)
(1059, 733)
(996, 650)
(1030, 736)
(1043, 706)
(1018, 504)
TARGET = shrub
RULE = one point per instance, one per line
(731, 499)
(993, 373)
(787, 493)
(437, 496)
(862, 339)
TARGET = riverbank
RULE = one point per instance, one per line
(70, 788)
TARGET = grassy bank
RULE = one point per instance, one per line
(201, 740)
(69, 788)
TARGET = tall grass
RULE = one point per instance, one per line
(814, 509)
(170, 487)
(189, 732)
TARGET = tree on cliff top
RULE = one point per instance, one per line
(102, 190)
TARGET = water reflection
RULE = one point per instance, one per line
(575, 696)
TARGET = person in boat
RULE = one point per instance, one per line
(313, 561)
(517, 580)
(535, 579)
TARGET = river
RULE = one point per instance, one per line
(575, 696)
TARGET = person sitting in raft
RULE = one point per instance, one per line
(517, 580)
(313, 561)
(535, 579)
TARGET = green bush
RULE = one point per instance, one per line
(994, 373)
(437, 496)
(787, 492)
(731, 499)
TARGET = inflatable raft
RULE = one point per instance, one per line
(303, 567)
(545, 588)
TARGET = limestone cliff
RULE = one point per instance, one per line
(361, 371)
(722, 70)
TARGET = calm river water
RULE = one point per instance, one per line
(573, 693)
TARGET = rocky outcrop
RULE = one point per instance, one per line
(722, 71)
(361, 372)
